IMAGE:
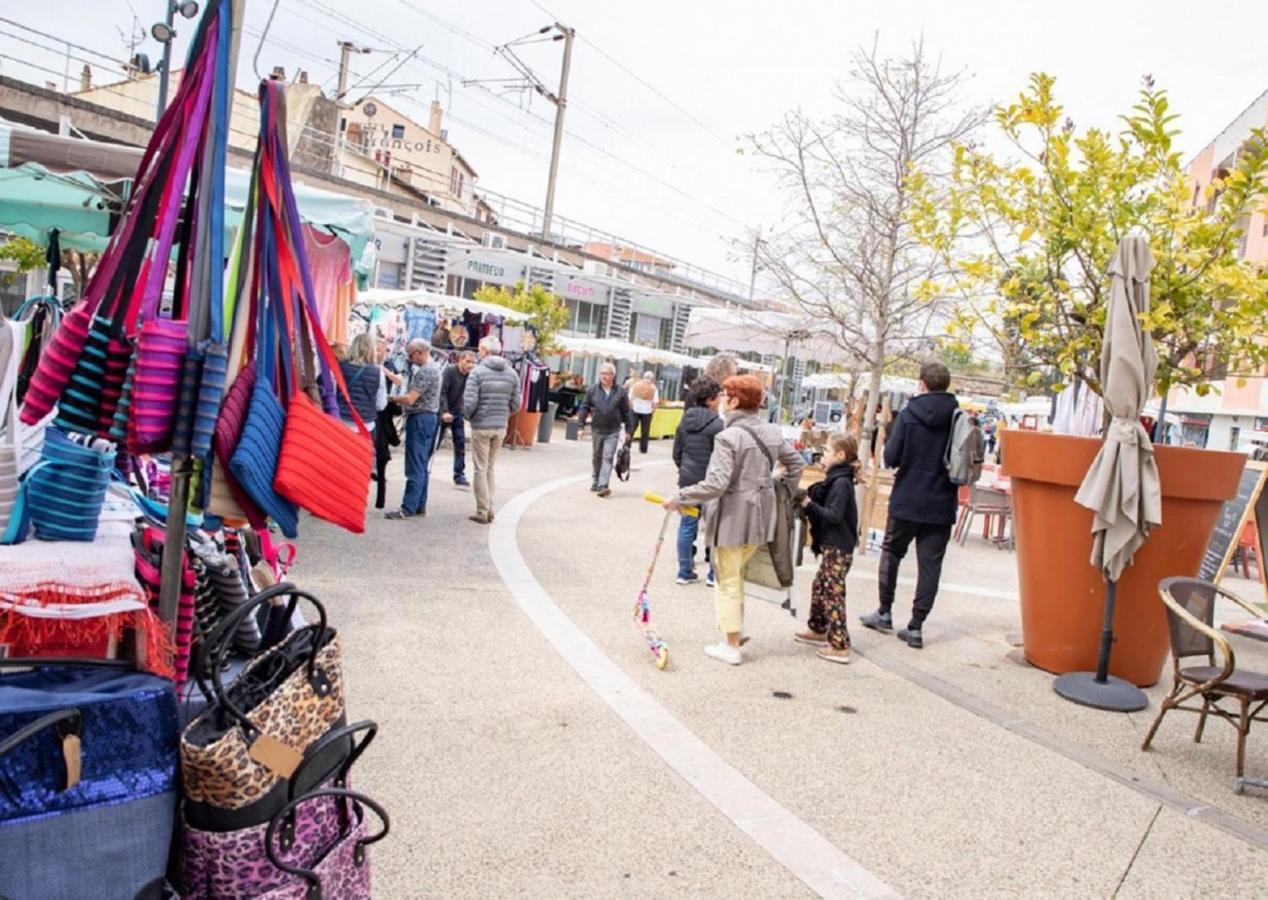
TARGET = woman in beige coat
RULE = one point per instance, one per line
(738, 495)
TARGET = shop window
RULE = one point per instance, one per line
(645, 329)
(586, 319)
(398, 132)
(390, 275)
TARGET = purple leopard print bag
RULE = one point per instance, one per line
(342, 870)
(234, 865)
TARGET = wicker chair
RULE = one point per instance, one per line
(1190, 616)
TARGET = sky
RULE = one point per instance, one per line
(662, 93)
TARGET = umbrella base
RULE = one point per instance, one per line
(1114, 694)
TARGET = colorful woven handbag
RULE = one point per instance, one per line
(84, 368)
(11, 334)
(323, 466)
(66, 489)
(254, 460)
(228, 499)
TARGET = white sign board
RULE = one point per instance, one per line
(490, 267)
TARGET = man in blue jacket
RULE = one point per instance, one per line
(922, 505)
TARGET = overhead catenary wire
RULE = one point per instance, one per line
(642, 81)
(61, 41)
(500, 106)
(375, 35)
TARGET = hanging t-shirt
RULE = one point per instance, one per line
(512, 339)
(329, 263)
(420, 323)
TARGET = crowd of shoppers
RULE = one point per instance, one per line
(730, 460)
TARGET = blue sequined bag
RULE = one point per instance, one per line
(87, 782)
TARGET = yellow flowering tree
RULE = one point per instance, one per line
(1028, 242)
(544, 311)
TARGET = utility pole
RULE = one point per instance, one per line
(532, 82)
(561, 106)
(346, 49)
(345, 54)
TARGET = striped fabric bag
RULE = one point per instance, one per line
(147, 547)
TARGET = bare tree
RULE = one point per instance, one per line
(846, 255)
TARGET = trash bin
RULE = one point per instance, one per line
(572, 430)
(547, 424)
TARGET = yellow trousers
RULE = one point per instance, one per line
(728, 564)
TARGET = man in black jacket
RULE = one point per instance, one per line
(693, 446)
(452, 384)
(923, 502)
(610, 405)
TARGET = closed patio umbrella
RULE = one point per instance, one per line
(1121, 487)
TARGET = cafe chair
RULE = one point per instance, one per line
(1190, 606)
(991, 504)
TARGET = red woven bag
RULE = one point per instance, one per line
(323, 465)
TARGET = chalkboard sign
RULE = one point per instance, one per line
(1232, 520)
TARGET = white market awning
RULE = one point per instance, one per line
(827, 381)
(610, 348)
(384, 297)
(763, 332)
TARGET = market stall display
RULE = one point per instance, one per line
(172, 358)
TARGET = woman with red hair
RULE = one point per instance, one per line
(738, 496)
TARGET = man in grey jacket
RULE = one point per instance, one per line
(492, 395)
(610, 406)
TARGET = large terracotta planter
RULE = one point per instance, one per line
(1062, 595)
(523, 426)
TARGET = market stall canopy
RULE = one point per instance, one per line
(827, 381)
(35, 199)
(61, 153)
(402, 299)
(614, 349)
(765, 332)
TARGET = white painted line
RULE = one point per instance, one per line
(798, 847)
(972, 590)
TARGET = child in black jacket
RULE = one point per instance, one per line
(834, 527)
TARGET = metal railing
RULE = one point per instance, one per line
(527, 219)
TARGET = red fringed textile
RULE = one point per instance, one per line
(49, 618)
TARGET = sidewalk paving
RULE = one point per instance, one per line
(506, 775)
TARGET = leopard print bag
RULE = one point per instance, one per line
(237, 756)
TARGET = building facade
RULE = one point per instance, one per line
(371, 143)
(1225, 417)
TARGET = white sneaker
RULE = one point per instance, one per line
(724, 652)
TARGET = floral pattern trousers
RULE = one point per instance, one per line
(827, 598)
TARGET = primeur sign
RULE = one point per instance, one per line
(485, 267)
